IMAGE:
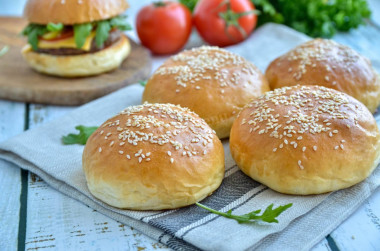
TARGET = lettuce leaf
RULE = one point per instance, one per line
(81, 31)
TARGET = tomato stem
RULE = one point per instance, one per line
(232, 18)
(160, 4)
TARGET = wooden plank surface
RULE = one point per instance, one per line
(19, 82)
(12, 117)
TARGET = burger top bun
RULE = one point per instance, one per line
(214, 83)
(327, 63)
(70, 12)
(306, 140)
(152, 157)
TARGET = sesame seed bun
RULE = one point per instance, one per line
(212, 82)
(306, 140)
(70, 12)
(152, 157)
(81, 65)
(327, 63)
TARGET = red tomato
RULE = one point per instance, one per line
(164, 27)
(224, 22)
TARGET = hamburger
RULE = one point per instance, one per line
(75, 38)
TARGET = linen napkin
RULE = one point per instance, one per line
(308, 221)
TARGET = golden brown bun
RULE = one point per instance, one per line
(153, 156)
(212, 82)
(306, 140)
(70, 12)
(79, 65)
(327, 63)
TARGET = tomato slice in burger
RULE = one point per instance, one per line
(52, 36)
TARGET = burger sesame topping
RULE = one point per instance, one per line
(196, 67)
(328, 52)
(158, 124)
(300, 119)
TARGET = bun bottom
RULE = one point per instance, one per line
(79, 65)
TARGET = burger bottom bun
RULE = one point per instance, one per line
(79, 65)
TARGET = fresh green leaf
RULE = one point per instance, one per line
(120, 22)
(4, 50)
(269, 215)
(81, 32)
(33, 31)
(102, 32)
(54, 27)
(317, 18)
(190, 4)
(80, 138)
(143, 83)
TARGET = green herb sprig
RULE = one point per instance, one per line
(269, 215)
(80, 138)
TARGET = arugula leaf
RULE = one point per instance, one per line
(81, 32)
(33, 31)
(269, 215)
(80, 138)
(143, 83)
(120, 22)
(102, 32)
(54, 27)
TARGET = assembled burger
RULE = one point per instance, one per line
(75, 38)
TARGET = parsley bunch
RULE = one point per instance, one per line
(81, 31)
(316, 18)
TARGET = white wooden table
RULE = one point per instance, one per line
(37, 217)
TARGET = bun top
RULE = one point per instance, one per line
(153, 156)
(306, 140)
(69, 12)
(213, 82)
(327, 63)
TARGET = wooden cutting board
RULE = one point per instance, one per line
(20, 83)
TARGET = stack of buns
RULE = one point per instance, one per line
(301, 138)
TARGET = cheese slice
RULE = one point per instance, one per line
(66, 43)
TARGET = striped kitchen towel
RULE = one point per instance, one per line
(190, 228)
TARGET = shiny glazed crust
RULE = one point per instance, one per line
(327, 63)
(306, 140)
(212, 82)
(70, 12)
(79, 65)
(152, 157)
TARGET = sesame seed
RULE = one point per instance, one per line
(121, 152)
(169, 153)
(274, 149)
(128, 156)
(100, 149)
(315, 148)
(303, 148)
(341, 146)
(171, 160)
(336, 147)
